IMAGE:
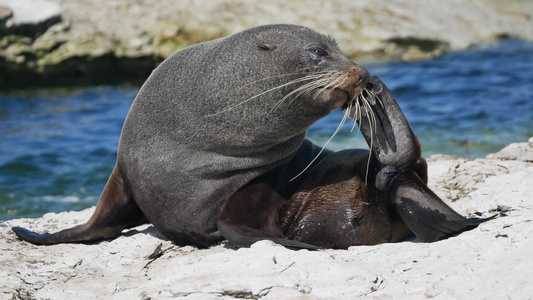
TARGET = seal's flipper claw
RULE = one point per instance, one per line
(425, 213)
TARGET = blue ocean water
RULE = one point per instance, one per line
(58, 146)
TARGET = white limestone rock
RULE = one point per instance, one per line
(493, 261)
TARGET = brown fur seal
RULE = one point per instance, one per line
(213, 147)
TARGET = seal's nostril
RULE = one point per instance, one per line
(364, 76)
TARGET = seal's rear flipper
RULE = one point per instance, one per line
(115, 211)
(80, 233)
(424, 212)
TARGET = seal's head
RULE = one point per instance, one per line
(260, 86)
(314, 64)
(291, 73)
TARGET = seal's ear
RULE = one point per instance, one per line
(267, 47)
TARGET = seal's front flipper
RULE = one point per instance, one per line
(424, 212)
(115, 211)
(385, 127)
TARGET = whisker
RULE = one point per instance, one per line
(375, 96)
(303, 89)
(355, 119)
(357, 115)
(315, 85)
(324, 147)
(297, 72)
(299, 91)
(373, 127)
(305, 78)
(332, 83)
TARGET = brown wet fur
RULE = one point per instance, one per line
(253, 213)
(332, 207)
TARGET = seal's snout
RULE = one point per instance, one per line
(364, 77)
(358, 79)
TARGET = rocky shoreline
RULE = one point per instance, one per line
(493, 261)
(63, 42)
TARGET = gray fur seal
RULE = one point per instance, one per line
(214, 147)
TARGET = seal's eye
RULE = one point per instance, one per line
(267, 47)
(318, 51)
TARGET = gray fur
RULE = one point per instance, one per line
(184, 153)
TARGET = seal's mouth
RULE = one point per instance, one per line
(349, 96)
(346, 93)
(350, 90)
(340, 93)
(354, 94)
(368, 92)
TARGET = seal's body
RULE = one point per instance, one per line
(218, 130)
(351, 197)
